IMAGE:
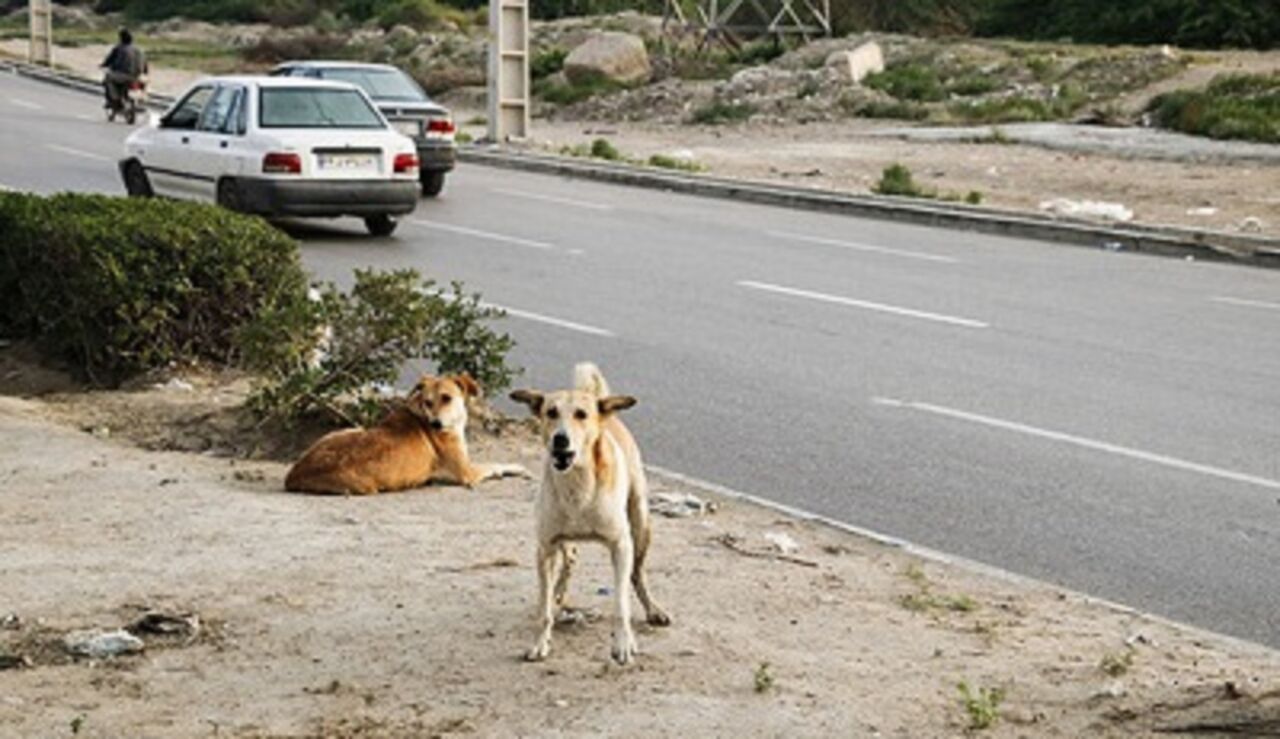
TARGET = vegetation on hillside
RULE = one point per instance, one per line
(1191, 23)
(1237, 106)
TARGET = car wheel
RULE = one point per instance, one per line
(381, 224)
(135, 179)
(229, 194)
(432, 184)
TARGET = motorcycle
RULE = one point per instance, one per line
(130, 103)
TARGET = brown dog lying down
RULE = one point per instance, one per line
(420, 440)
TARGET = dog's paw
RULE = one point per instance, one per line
(538, 652)
(658, 617)
(624, 649)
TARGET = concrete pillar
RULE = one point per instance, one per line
(41, 12)
(508, 70)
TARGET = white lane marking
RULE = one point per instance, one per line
(909, 312)
(1080, 441)
(78, 153)
(559, 322)
(26, 104)
(1247, 303)
(502, 238)
(87, 117)
(862, 247)
(551, 199)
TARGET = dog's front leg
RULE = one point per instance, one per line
(624, 640)
(548, 555)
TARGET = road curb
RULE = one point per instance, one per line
(935, 556)
(72, 82)
(1158, 240)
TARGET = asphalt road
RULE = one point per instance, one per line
(1108, 422)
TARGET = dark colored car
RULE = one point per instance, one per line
(404, 105)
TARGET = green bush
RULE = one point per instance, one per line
(914, 82)
(1016, 109)
(602, 149)
(718, 111)
(1231, 107)
(895, 110)
(570, 93)
(115, 286)
(420, 14)
(325, 356)
(664, 161)
(897, 180)
(547, 62)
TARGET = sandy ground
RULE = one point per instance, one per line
(848, 157)
(404, 615)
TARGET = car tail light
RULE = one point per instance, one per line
(406, 163)
(281, 163)
(440, 126)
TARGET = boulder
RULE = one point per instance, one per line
(854, 65)
(402, 37)
(617, 57)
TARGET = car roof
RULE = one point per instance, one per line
(339, 65)
(265, 81)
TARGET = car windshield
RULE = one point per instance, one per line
(300, 107)
(381, 84)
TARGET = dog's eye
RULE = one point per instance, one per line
(553, 414)
(580, 414)
(446, 399)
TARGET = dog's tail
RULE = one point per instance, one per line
(588, 377)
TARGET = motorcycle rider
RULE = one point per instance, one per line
(124, 65)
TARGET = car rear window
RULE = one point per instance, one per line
(290, 107)
(381, 84)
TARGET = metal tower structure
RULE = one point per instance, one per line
(731, 21)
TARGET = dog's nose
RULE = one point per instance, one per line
(560, 441)
(437, 425)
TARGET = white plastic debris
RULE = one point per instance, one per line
(1087, 209)
(100, 644)
(1204, 211)
(782, 542)
(1251, 225)
(679, 505)
(175, 384)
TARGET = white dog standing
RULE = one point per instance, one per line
(593, 489)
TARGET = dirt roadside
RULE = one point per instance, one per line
(404, 615)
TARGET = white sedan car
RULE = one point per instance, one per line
(277, 147)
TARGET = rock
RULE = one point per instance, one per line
(1114, 689)
(402, 37)
(99, 644)
(618, 57)
(678, 505)
(167, 624)
(1251, 225)
(782, 542)
(854, 66)
(10, 622)
(14, 661)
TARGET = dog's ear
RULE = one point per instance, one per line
(614, 403)
(531, 398)
(468, 385)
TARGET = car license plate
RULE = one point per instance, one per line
(412, 129)
(347, 162)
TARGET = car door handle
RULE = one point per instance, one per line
(186, 139)
(223, 144)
